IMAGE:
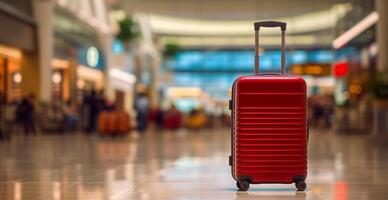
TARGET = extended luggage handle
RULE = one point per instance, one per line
(270, 24)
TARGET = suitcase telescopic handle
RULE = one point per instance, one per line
(270, 24)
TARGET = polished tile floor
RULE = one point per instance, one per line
(179, 165)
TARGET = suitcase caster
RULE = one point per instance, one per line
(301, 185)
(242, 186)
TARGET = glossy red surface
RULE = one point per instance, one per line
(269, 128)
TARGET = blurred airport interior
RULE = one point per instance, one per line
(126, 99)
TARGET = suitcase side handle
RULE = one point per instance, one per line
(270, 24)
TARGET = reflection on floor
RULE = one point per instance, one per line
(178, 165)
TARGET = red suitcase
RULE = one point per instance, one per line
(269, 126)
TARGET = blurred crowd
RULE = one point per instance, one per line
(26, 116)
(196, 119)
(321, 111)
(86, 115)
(172, 118)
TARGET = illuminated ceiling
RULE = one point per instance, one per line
(228, 9)
(303, 30)
(303, 23)
(228, 23)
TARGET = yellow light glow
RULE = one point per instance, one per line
(117, 15)
(90, 74)
(297, 70)
(60, 64)
(355, 89)
(373, 49)
(17, 77)
(56, 78)
(314, 70)
(122, 76)
(10, 52)
(328, 82)
(244, 41)
(80, 84)
(17, 191)
(184, 92)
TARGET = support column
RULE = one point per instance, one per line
(382, 37)
(44, 14)
(380, 106)
(73, 81)
(106, 43)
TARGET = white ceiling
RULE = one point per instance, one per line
(167, 19)
(228, 9)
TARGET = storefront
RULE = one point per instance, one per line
(121, 77)
(10, 76)
(90, 69)
(60, 78)
(78, 62)
(17, 45)
(122, 84)
(72, 77)
(355, 72)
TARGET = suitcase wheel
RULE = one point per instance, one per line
(243, 185)
(301, 185)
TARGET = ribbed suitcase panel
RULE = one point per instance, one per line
(270, 131)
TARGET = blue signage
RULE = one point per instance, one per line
(242, 61)
(91, 57)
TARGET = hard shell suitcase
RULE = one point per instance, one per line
(269, 125)
(102, 122)
(122, 122)
(113, 122)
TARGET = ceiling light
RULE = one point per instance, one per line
(122, 76)
(184, 91)
(10, 52)
(356, 30)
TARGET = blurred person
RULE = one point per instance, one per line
(25, 113)
(226, 119)
(3, 135)
(211, 120)
(92, 106)
(156, 116)
(110, 106)
(18, 112)
(102, 101)
(172, 118)
(328, 104)
(142, 109)
(71, 117)
(197, 119)
(316, 110)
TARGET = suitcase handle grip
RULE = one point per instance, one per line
(270, 24)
